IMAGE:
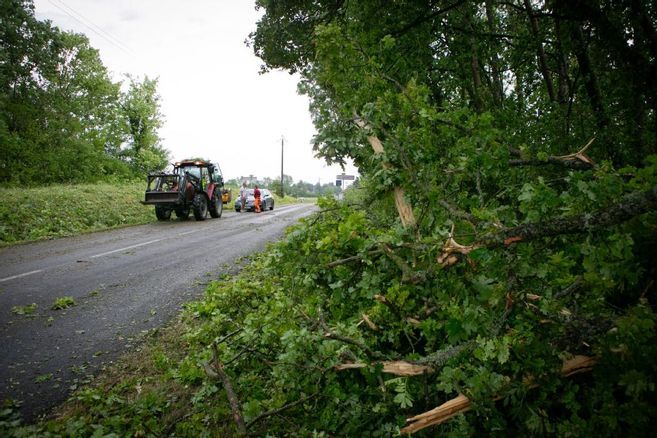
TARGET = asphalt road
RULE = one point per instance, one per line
(125, 282)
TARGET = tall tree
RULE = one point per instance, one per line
(61, 116)
(141, 109)
(521, 134)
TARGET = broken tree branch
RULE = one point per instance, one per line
(396, 367)
(458, 213)
(629, 206)
(350, 259)
(403, 207)
(439, 358)
(276, 411)
(369, 322)
(368, 352)
(389, 304)
(461, 404)
(451, 247)
(215, 369)
(579, 160)
(408, 274)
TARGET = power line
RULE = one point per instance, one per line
(89, 24)
(94, 27)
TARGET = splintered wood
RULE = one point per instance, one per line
(451, 247)
(438, 415)
(398, 368)
(578, 364)
(460, 404)
(403, 207)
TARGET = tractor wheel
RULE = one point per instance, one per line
(216, 206)
(162, 213)
(200, 207)
(182, 213)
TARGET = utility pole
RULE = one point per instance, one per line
(282, 189)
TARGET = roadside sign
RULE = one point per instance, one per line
(345, 177)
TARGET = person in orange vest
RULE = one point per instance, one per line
(256, 195)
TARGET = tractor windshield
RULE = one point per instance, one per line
(193, 170)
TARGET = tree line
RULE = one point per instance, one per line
(300, 189)
(62, 118)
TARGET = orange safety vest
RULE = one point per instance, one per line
(256, 195)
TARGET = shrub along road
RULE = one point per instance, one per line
(123, 282)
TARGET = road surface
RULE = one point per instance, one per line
(125, 282)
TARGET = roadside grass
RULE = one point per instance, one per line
(24, 310)
(28, 214)
(286, 200)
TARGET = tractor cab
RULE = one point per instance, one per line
(193, 186)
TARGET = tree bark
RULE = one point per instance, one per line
(476, 77)
(542, 58)
(564, 83)
(498, 85)
(630, 206)
(217, 370)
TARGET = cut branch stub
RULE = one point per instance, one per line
(369, 322)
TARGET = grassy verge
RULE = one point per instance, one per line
(286, 200)
(65, 210)
(158, 389)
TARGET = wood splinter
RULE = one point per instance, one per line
(451, 247)
(397, 367)
(460, 404)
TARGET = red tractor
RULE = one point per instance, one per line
(193, 186)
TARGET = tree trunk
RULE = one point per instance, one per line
(592, 88)
(563, 90)
(498, 86)
(476, 77)
(542, 58)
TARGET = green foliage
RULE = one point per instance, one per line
(141, 109)
(43, 378)
(480, 108)
(64, 210)
(28, 309)
(62, 119)
(286, 321)
(63, 303)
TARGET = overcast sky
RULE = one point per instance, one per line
(214, 102)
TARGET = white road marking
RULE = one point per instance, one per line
(13, 277)
(123, 249)
(188, 232)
